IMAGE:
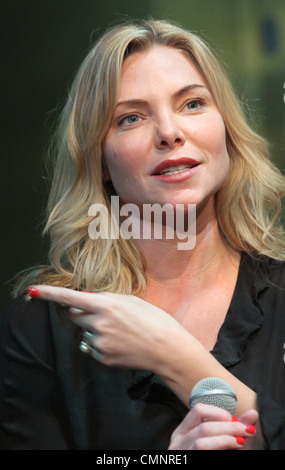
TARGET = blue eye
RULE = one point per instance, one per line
(131, 119)
(194, 104)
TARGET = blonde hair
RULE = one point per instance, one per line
(248, 204)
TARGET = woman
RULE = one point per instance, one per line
(151, 118)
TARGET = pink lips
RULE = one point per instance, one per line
(181, 175)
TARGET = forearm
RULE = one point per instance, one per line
(187, 362)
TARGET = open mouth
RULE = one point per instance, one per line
(173, 170)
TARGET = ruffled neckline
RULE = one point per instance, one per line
(245, 314)
(244, 317)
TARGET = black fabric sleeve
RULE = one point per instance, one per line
(30, 416)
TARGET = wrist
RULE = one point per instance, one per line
(183, 361)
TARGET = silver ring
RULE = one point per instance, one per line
(87, 348)
(88, 337)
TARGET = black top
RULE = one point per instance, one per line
(53, 396)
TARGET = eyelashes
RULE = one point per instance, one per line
(195, 104)
(131, 119)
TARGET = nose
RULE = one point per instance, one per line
(168, 132)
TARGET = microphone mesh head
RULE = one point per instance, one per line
(214, 391)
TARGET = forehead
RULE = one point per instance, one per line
(159, 65)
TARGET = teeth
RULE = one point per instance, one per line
(174, 169)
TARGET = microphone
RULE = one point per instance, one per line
(214, 391)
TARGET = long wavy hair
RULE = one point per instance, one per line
(248, 205)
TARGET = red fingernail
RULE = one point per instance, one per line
(240, 440)
(234, 419)
(33, 292)
(250, 429)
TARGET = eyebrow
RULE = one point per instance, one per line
(186, 89)
(178, 94)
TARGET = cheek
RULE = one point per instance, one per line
(125, 155)
(214, 134)
(121, 164)
(216, 150)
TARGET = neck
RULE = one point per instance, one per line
(189, 270)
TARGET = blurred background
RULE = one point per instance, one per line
(44, 41)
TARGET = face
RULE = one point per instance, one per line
(167, 140)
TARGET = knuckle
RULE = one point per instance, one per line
(65, 297)
(198, 445)
(229, 442)
(174, 444)
(205, 429)
(103, 330)
(107, 349)
(198, 409)
(175, 434)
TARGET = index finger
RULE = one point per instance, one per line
(67, 297)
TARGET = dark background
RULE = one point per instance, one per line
(44, 41)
